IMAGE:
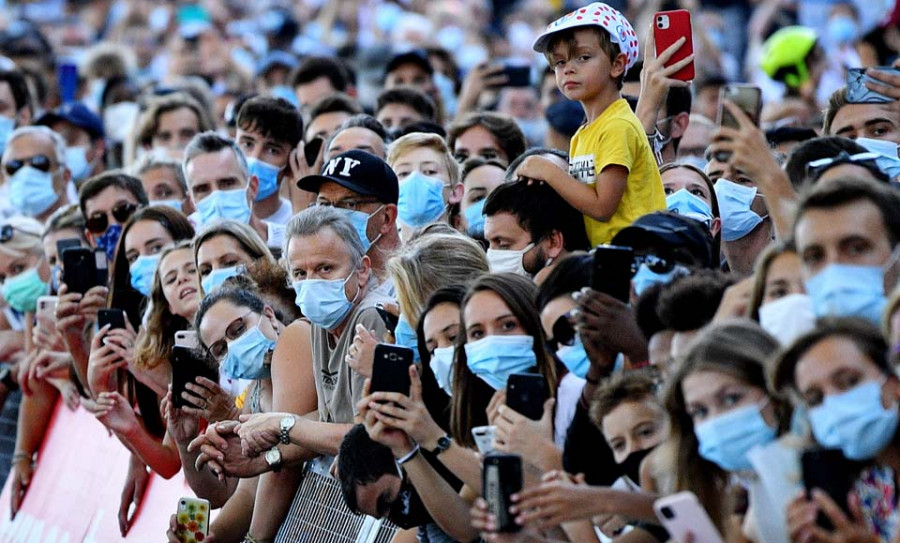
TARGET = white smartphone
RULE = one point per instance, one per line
(681, 514)
(186, 339)
(484, 438)
(46, 308)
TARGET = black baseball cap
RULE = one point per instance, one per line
(77, 114)
(668, 229)
(417, 56)
(360, 172)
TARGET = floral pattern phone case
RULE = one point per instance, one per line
(192, 519)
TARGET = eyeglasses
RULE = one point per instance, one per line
(99, 222)
(219, 350)
(816, 168)
(351, 204)
(7, 231)
(655, 263)
(38, 162)
(563, 332)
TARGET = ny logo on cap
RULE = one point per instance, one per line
(334, 163)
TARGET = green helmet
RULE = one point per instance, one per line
(783, 55)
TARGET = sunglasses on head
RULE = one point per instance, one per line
(816, 168)
(563, 331)
(38, 162)
(99, 222)
(7, 231)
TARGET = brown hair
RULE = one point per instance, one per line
(632, 386)
(567, 36)
(761, 274)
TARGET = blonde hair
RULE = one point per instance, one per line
(154, 343)
(26, 238)
(434, 142)
(248, 239)
(430, 262)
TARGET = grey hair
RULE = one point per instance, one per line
(209, 142)
(26, 238)
(313, 220)
(153, 160)
(59, 144)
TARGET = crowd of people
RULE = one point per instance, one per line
(509, 191)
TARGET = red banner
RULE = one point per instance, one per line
(76, 489)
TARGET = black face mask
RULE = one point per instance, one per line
(631, 466)
(408, 511)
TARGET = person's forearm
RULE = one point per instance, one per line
(464, 464)
(635, 506)
(233, 521)
(581, 196)
(319, 437)
(581, 531)
(546, 456)
(79, 349)
(293, 455)
(204, 483)
(34, 417)
(160, 458)
(445, 506)
(781, 200)
(274, 495)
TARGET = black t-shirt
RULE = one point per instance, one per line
(587, 452)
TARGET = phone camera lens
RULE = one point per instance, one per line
(393, 356)
(667, 513)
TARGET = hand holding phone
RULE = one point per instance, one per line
(501, 478)
(484, 438)
(747, 97)
(858, 93)
(192, 520)
(681, 514)
(390, 369)
(115, 318)
(526, 394)
(612, 272)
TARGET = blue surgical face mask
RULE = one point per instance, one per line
(109, 240)
(475, 219)
(735, 200)
(405, 336)
(689, 205)
(142, 271)
(267, 176)
(726, 439)
(441, 364)
(224, 204)
(22, 291)
(323, 301)
(284, 91)
(887, 160)
(844, 290)
(421, 200)
(448, 94)
(216, 277)
(575, 358)
(77, 162)
(694, 160)
(646, 278)
(361, 223)
(55, 272)
(174, 204)
(855, 421)
(494, 358)
(841, 30)
(7, 125)
(31, 191)
(247, 354)
(535, 130)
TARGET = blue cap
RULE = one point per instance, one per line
(277, 58)
(75, 113)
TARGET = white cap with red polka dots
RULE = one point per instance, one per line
(599, 14)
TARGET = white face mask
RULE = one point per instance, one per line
(788, 318)
(509, 261)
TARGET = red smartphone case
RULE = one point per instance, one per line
(667, 32)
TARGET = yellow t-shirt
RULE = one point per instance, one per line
(616, 137)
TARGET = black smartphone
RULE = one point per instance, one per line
(612, 272)
(390, 369)
(500, 479)
(79, 269)
(312, 148)
(746, 97)
(526, 394)
(65, 244)
(517, 75)
(832, 473)
(115, 318)
(390, 320)
(187, 365)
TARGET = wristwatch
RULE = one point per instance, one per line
(286, 424)
(273, 458)
(443, 443)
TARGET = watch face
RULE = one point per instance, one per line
(273, 456)
(287, 422)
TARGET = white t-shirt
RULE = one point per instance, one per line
(283, 215)
(567, 395)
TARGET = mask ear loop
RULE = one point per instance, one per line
(378, 237)
(358, 288)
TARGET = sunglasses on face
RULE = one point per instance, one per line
(38, 162)
(7, 231)
(563, 332)
(654, 263)
(99, 222)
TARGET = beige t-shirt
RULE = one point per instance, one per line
(339, 387)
